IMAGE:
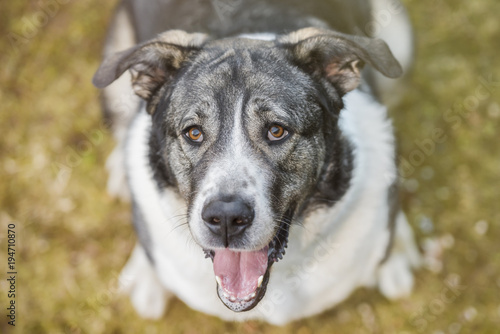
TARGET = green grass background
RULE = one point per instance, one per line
(73, 239)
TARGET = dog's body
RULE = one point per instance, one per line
(321, 180)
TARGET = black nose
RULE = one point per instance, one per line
(227, 218)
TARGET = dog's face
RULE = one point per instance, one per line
(245, 130)
(243, 139)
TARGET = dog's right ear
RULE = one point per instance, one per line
(151, 63)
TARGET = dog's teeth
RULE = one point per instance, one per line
(225, 294)
(217, 278)
(259, 281)
(249, 297)
(232, 298)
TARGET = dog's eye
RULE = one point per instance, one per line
(276, 132)
(194, 134)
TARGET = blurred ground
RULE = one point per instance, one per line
(73, 239)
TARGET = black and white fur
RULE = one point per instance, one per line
(335, 174)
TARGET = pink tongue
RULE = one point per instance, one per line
(240, 271)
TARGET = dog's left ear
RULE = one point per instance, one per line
(152, 63)
(339, 57)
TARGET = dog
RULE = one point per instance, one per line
(257, 154)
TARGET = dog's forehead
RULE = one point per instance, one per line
(244, 63)
(258, 72)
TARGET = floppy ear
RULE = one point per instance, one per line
(152, 63)
(339, 57)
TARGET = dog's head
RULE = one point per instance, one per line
(246, 131)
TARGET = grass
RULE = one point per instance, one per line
(73, 239)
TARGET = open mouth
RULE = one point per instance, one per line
(242, 276)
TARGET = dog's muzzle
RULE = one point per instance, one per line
(242, 276)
